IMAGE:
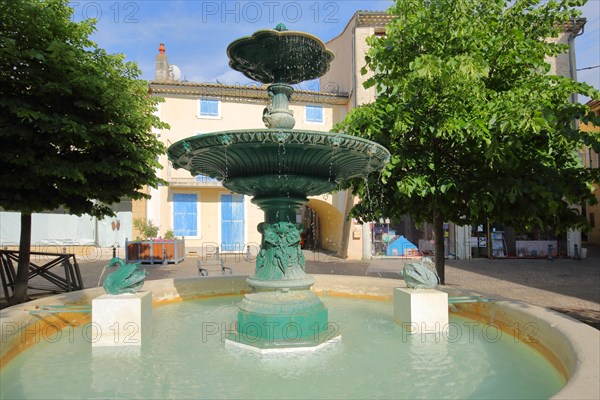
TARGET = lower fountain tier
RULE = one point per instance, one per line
(283, 319)
(268, 279)
(278, 162)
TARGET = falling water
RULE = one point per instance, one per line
(226, 141)
(335, 142)
(226, 165)
(281, 165)
(368, 194)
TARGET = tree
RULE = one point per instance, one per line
(75, 122)
(477, 127)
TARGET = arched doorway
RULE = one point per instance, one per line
(323, 225)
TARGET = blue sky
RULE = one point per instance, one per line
(197, 32)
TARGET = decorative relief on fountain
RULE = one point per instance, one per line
(280, 247)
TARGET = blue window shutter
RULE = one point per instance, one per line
(213, 107)
(232, 222)
(185, 214)
(209, 107)
(314, 114)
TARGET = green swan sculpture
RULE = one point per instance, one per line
(419, 274)
(127, 279)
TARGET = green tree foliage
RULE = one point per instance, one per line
(148, 230)
(477, 127)
(75, 122)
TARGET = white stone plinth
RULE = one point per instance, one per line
(421, 310)
(121, 320)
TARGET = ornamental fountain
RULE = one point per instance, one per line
(495, 349)
(279, 167)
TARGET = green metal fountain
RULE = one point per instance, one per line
(279, 167)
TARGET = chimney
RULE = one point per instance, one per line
(162, 66)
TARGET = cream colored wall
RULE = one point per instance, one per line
(341, 70)
(338, 78)
(332, 214)
(559, 65)
(138, 211)
(330, 222)
(355, 240)
(363, 96)
(340, 73)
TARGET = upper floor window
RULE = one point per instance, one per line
(314, 114)
(209, 108)
(205, 179)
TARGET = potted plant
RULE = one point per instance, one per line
(152, 248)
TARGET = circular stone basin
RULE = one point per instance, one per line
(186, 358)
(269, 162)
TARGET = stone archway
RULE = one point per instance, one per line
(324, 225)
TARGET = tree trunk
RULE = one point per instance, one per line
(20, 293)
(438, 236)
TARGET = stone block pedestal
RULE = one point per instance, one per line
(121, 320)
(421, 310)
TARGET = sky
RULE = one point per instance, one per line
(196, 33)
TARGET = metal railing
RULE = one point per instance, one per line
(198, 181)
(69, 282)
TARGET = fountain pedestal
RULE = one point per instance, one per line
(421, 310)
(122, 319)
(283, 312)
(285, 320)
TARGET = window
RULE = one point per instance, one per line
(185, 214)
(206, 179)
(209, 108)
(232, 222)
(314, 114)
(592, 218)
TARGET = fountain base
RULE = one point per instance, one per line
(282, 320)
(275, 348)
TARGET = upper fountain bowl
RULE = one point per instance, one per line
(279, 56)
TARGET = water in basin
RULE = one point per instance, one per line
(186, 358)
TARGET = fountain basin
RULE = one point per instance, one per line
(572, 347)
(278, 162)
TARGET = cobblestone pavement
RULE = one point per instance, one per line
(566, 285)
